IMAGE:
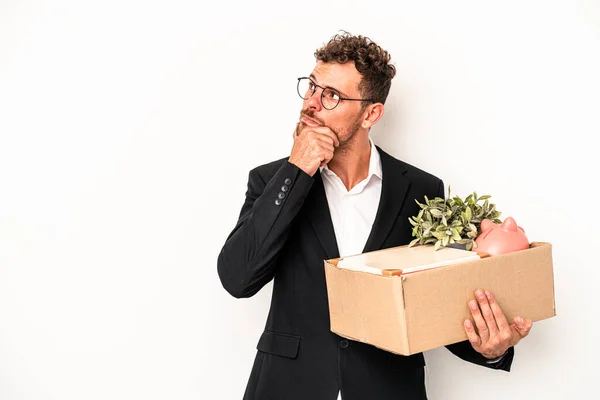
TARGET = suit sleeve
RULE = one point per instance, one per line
(465, 351)
(248, 258)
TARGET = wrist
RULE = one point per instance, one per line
(492, 360)
(310, 171)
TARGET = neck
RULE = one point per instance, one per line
(351, 162)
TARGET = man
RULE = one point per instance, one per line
(337, 194)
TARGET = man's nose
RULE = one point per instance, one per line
(314, 101)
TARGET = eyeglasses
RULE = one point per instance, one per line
(330, 98)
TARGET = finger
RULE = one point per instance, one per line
(326, 139)
(326, 145)
(325, 130)
(523, 326)
(487, 313)
(471, 334)
(326, 156)
(482, 328)
(497, 311)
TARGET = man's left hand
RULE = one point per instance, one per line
(494, 335)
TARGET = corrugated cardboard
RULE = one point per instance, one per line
(423, 310)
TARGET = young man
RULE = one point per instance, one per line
(337, 194)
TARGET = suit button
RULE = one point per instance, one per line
(277, 202)
(281, 195)
(344, 343)
(288, 181)
(284, 188)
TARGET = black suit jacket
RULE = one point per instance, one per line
(284, 233)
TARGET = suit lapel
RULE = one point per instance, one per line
(320, 218)
(393, 192)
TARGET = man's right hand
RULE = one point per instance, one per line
(313, 148)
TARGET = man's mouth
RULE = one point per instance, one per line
(309, 121)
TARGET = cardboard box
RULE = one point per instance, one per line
(423, 310)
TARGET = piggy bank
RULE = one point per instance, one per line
(501, 238)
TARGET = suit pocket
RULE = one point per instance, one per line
(279, 344)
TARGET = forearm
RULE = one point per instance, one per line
(247, 260)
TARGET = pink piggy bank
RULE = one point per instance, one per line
(501, 238)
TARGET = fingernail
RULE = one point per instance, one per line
(488, 295)
(480, 294)
(520, 320)
(468, 324)
(473, 305)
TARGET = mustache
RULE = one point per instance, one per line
(310, 114)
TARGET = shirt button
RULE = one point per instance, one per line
(277, 202)
(288, 181)
(344, 343)
(284, 188)
(281, 195)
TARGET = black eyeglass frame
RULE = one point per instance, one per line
(323, 91)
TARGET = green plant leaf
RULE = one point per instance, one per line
(438, 235)
(413, 242)
(436, 213)
(455, 234)
(428, 217)
(468, 213)
(437, 245)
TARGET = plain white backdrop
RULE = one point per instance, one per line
(127, 129)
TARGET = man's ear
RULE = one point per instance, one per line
(373, 113)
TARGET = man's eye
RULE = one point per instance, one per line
(330, 94)
(311, 86)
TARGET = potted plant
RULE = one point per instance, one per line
(452, 222)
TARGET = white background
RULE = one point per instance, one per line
(127, 129)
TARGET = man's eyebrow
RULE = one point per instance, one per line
(314, 78)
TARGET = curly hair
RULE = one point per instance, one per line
(370, 60)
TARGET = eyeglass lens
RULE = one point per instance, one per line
(329, 97)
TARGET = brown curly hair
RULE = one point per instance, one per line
(370, 60)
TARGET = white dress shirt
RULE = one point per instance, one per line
(353, 211)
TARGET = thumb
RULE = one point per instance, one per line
(522, 326)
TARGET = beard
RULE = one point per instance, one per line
(345, 134)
